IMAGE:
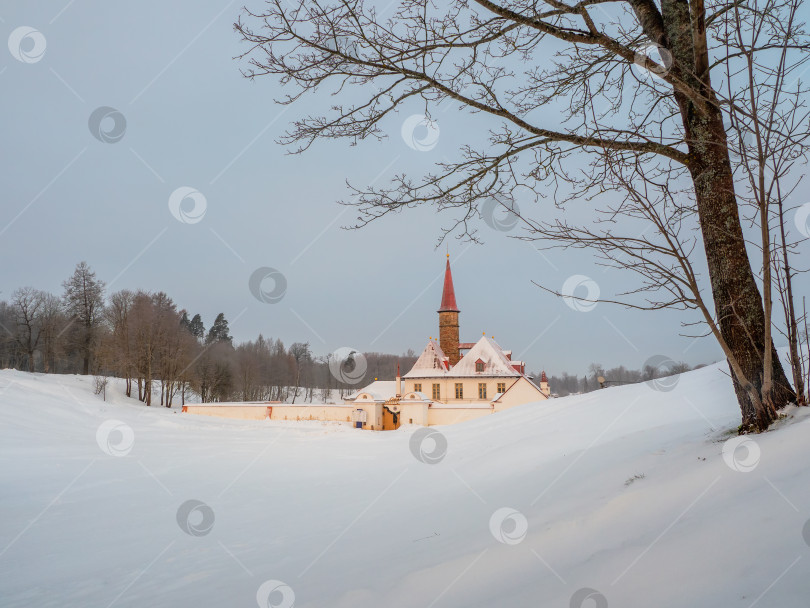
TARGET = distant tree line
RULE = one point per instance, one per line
(160, 351)
(567, 384)
(163, 353)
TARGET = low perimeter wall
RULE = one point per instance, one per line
(336, 413)
(242, 412)
(280, 411)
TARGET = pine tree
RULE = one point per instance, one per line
(197, 328)
(219, 331)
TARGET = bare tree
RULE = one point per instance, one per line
(628, 83)
(769, 129)
(27, 303)
(117, 315)
(54, 323)
(144, 336)
(301, 355)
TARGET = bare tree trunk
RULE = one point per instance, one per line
(791, 322)
(87, 348)
(738, 302)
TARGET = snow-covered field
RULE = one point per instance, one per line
(619, 498)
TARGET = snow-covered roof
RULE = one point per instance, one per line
(431, 362)
(495, 361)
(416, 396)
(379, 389)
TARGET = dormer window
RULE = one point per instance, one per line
(479, 366)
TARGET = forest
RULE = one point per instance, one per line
(165, 353)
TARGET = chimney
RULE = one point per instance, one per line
(399, 383)
(448, 319)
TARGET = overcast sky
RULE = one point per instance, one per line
(192, 121)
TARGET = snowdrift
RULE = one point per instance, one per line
(632, 496)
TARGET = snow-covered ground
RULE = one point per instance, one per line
(620, 498)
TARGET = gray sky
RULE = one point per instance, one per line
(193, 121)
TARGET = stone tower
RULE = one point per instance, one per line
(448, 319)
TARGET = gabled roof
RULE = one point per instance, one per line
(499, 396)
(495, 361)
(432, 362)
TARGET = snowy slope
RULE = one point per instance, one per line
(528, 507)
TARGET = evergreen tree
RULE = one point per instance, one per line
(219, 331)
(197, 328)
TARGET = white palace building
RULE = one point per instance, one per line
(443, 386)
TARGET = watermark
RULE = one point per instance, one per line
(195, 518)
(663, 367)
(27, 44)
(115, 438)
(275, 594)
(343, 45)
(806, 532)
(427, 136)
(509, 526)
(428, 445)
(348, 365)
(748, 137)
(588, 598)
(654, 59)
(802, 220)
(741, 454)
(580, 303)
(501, 214)
(182, 213)
(107, 125)
(268, 285)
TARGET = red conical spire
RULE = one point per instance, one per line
(449, 293)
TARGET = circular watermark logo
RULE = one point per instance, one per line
(420, 133)
(344, 45)
(661, 370)
(509, 526)
(748, 137)
(588, 598)
(580, 302)
(115, 438)
(195, 518)
(275, 594)
(348, 365)
(802, 220)
(654, 60)
(428, 445)
(741, 454)
(806, 532)
(268, 285)
(27, 44)
(500, 214)
(107, 125)
(181, 210)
